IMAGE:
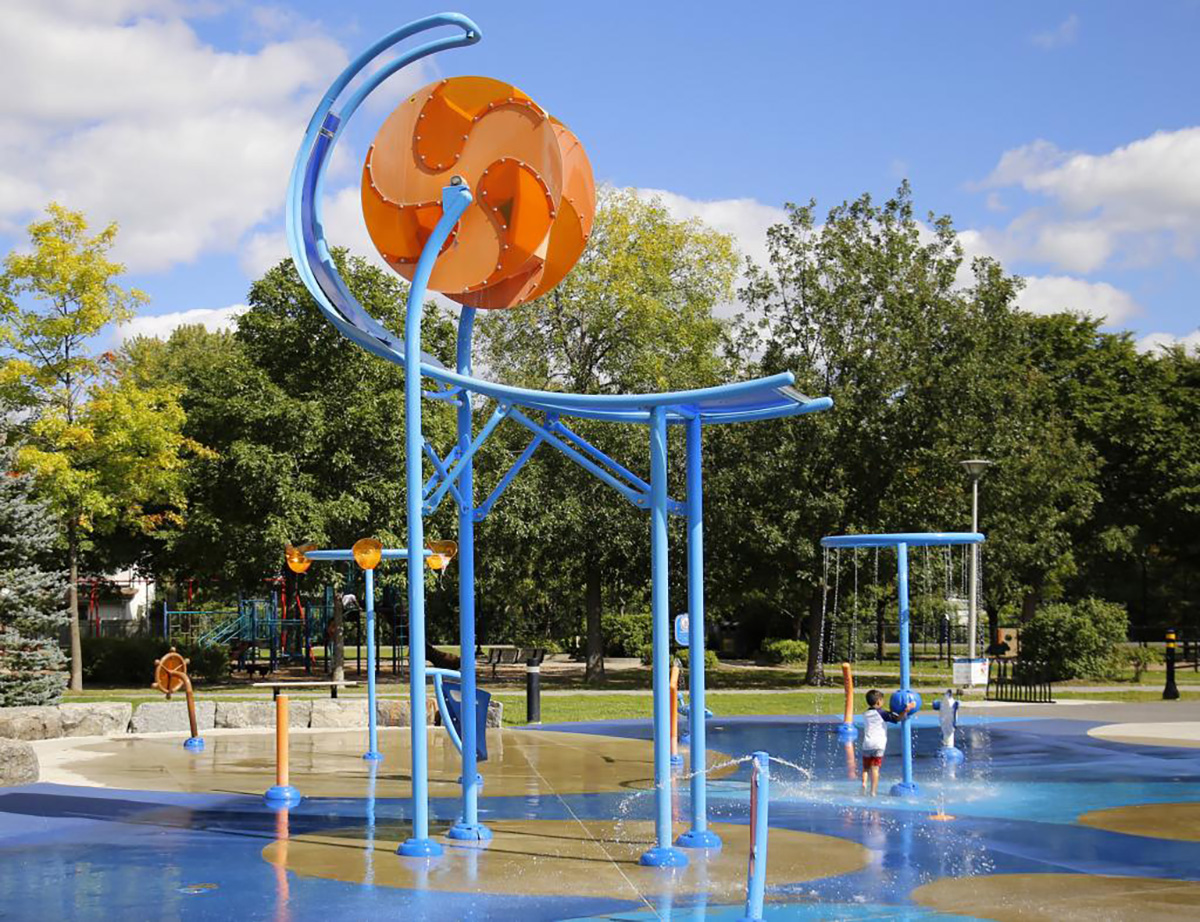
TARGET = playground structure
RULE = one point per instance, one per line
(170, 675)
(491, 203)
(286, 629)
(903, 696)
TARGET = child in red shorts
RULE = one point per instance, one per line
(875, 722)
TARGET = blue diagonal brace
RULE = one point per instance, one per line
(638, 499)
(451, 476)
(612, 464)
(441, 474)
(486, 506)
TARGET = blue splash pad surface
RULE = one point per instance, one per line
(86, 853)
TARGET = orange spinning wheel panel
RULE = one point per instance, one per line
(534, 194)
(170, 673)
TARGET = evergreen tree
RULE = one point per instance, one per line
(32, 664)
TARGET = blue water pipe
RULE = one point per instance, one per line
(372, 754)
(699, 836)
(756, 871)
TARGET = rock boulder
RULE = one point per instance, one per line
(171, 716)
(239, 715)
(18, 763)
(31, 723)
(338, 713)
(104, 718)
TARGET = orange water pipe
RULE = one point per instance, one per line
(281, 741)
(848, 685)
(675, 757)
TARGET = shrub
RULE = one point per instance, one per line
(710, 658)
(1077, 641)
(777, 650)
(207, 664)
(1141, 659)
(130, 660)
(625, 633)
(646, 653)
(121, 660)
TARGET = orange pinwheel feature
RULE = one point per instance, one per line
(534, 194)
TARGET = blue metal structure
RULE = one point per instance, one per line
(756, 871)
(765, 398)
(389, 553)
(902, 542)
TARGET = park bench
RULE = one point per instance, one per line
(332, 686)
(512, 656)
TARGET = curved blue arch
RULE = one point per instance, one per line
(741, 401)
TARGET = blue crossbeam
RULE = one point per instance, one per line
(611, 463)
(442, 475)
(452, 475)
(637, 497)
(437, 473)
(486, 506)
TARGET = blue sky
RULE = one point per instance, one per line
(1061, 137)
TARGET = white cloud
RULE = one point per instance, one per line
(1064, 33)
(1055, 293)
(1153, 342)
(1133, 206)
(746, 219)
(161, 325)
(127, 114)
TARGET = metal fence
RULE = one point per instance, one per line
(1024, 681)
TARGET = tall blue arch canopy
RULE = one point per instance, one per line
(765, 398)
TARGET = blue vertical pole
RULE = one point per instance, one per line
(373, 754)
(756, 874)
(907, 787)
(455, 200)
(468, 827)
(663, 854)
(699, 836)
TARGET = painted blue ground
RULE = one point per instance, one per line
(82, 853)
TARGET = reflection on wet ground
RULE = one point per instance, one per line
(1048, 822)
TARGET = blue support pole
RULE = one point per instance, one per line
(468, 827)
(699, 836)
(372, 754)
(663, 854)
(907, 787)
(756, 874)
(455, 200)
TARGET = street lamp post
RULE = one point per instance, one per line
(975, 468)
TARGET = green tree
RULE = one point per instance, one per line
(867, 307)
(305, 431)
(1141, 415)
(102, 450)
(32, 665)
(636, 314)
